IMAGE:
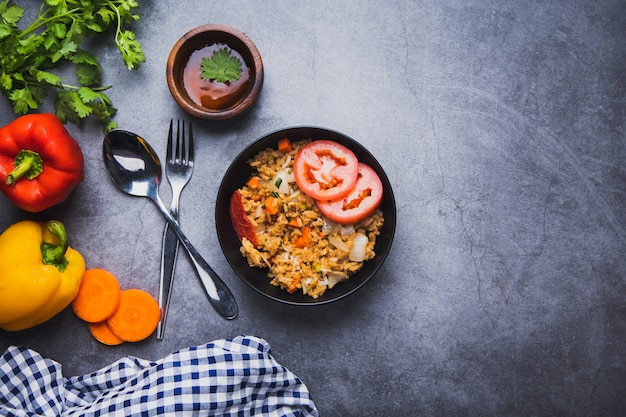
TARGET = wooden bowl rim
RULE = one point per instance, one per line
(193, 40)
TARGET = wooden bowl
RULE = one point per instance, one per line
(202, 37)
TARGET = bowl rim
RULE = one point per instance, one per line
(222, 200)
(250, 53)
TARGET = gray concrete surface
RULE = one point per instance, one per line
(501, 127)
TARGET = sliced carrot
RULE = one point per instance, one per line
(103, 334)
(295, 222)
(98, 296)
(271, 205)
(284, 145)
(254, 182)
(294, 284)
(303, 240)
(136, 317)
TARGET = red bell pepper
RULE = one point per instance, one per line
(40, 163)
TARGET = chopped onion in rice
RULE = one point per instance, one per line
(338, 243)
(258, 212)
(346, 230)
(287, 162)
(305, 288)
(335, 277)
(329, 226)
(267, 262)
(280, 183)
(306, 284)
(357, 252)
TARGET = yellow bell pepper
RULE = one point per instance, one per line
(39, 273)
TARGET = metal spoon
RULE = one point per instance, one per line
(135, 168)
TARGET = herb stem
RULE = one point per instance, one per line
(43, 21)
(118, 29)
(30, 79)
(77, 87)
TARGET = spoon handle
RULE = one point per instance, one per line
(219, 294)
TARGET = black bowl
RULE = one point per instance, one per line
(237, 175)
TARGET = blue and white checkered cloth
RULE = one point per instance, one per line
(234, 377)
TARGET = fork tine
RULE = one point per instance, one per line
(190, 155)
(180, 147)
(183, 144)
(181, 150)
(169, 141)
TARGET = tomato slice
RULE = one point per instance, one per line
(364, 198)
(241, 223)
(325, 170)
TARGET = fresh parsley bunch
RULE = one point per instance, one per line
(28, 56)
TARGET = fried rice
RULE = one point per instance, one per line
(328, 253)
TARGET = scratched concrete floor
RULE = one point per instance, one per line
(501, 127)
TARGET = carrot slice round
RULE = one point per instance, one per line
(98, 296)
(137, 316)
(103, 334)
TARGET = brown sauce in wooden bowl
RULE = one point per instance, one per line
(212, 94)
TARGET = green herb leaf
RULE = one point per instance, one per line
(67, 49)
(5, 30)
(88, 69)
(31, 53)
(81, 108)
(5, 82)
(12, 14)
(84, 57)
(222, 66)
(59, 30)
(23, 100)
(130, 49)
(64, 107)
(47, 77)
(88, 74)
(88, 95)
(107, 15)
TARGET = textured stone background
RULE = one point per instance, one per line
(501, 127)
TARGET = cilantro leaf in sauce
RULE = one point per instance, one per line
(222, 66)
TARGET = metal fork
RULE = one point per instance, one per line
(178, 169)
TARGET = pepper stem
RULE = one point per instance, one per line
(55, 254)
(27, 163)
